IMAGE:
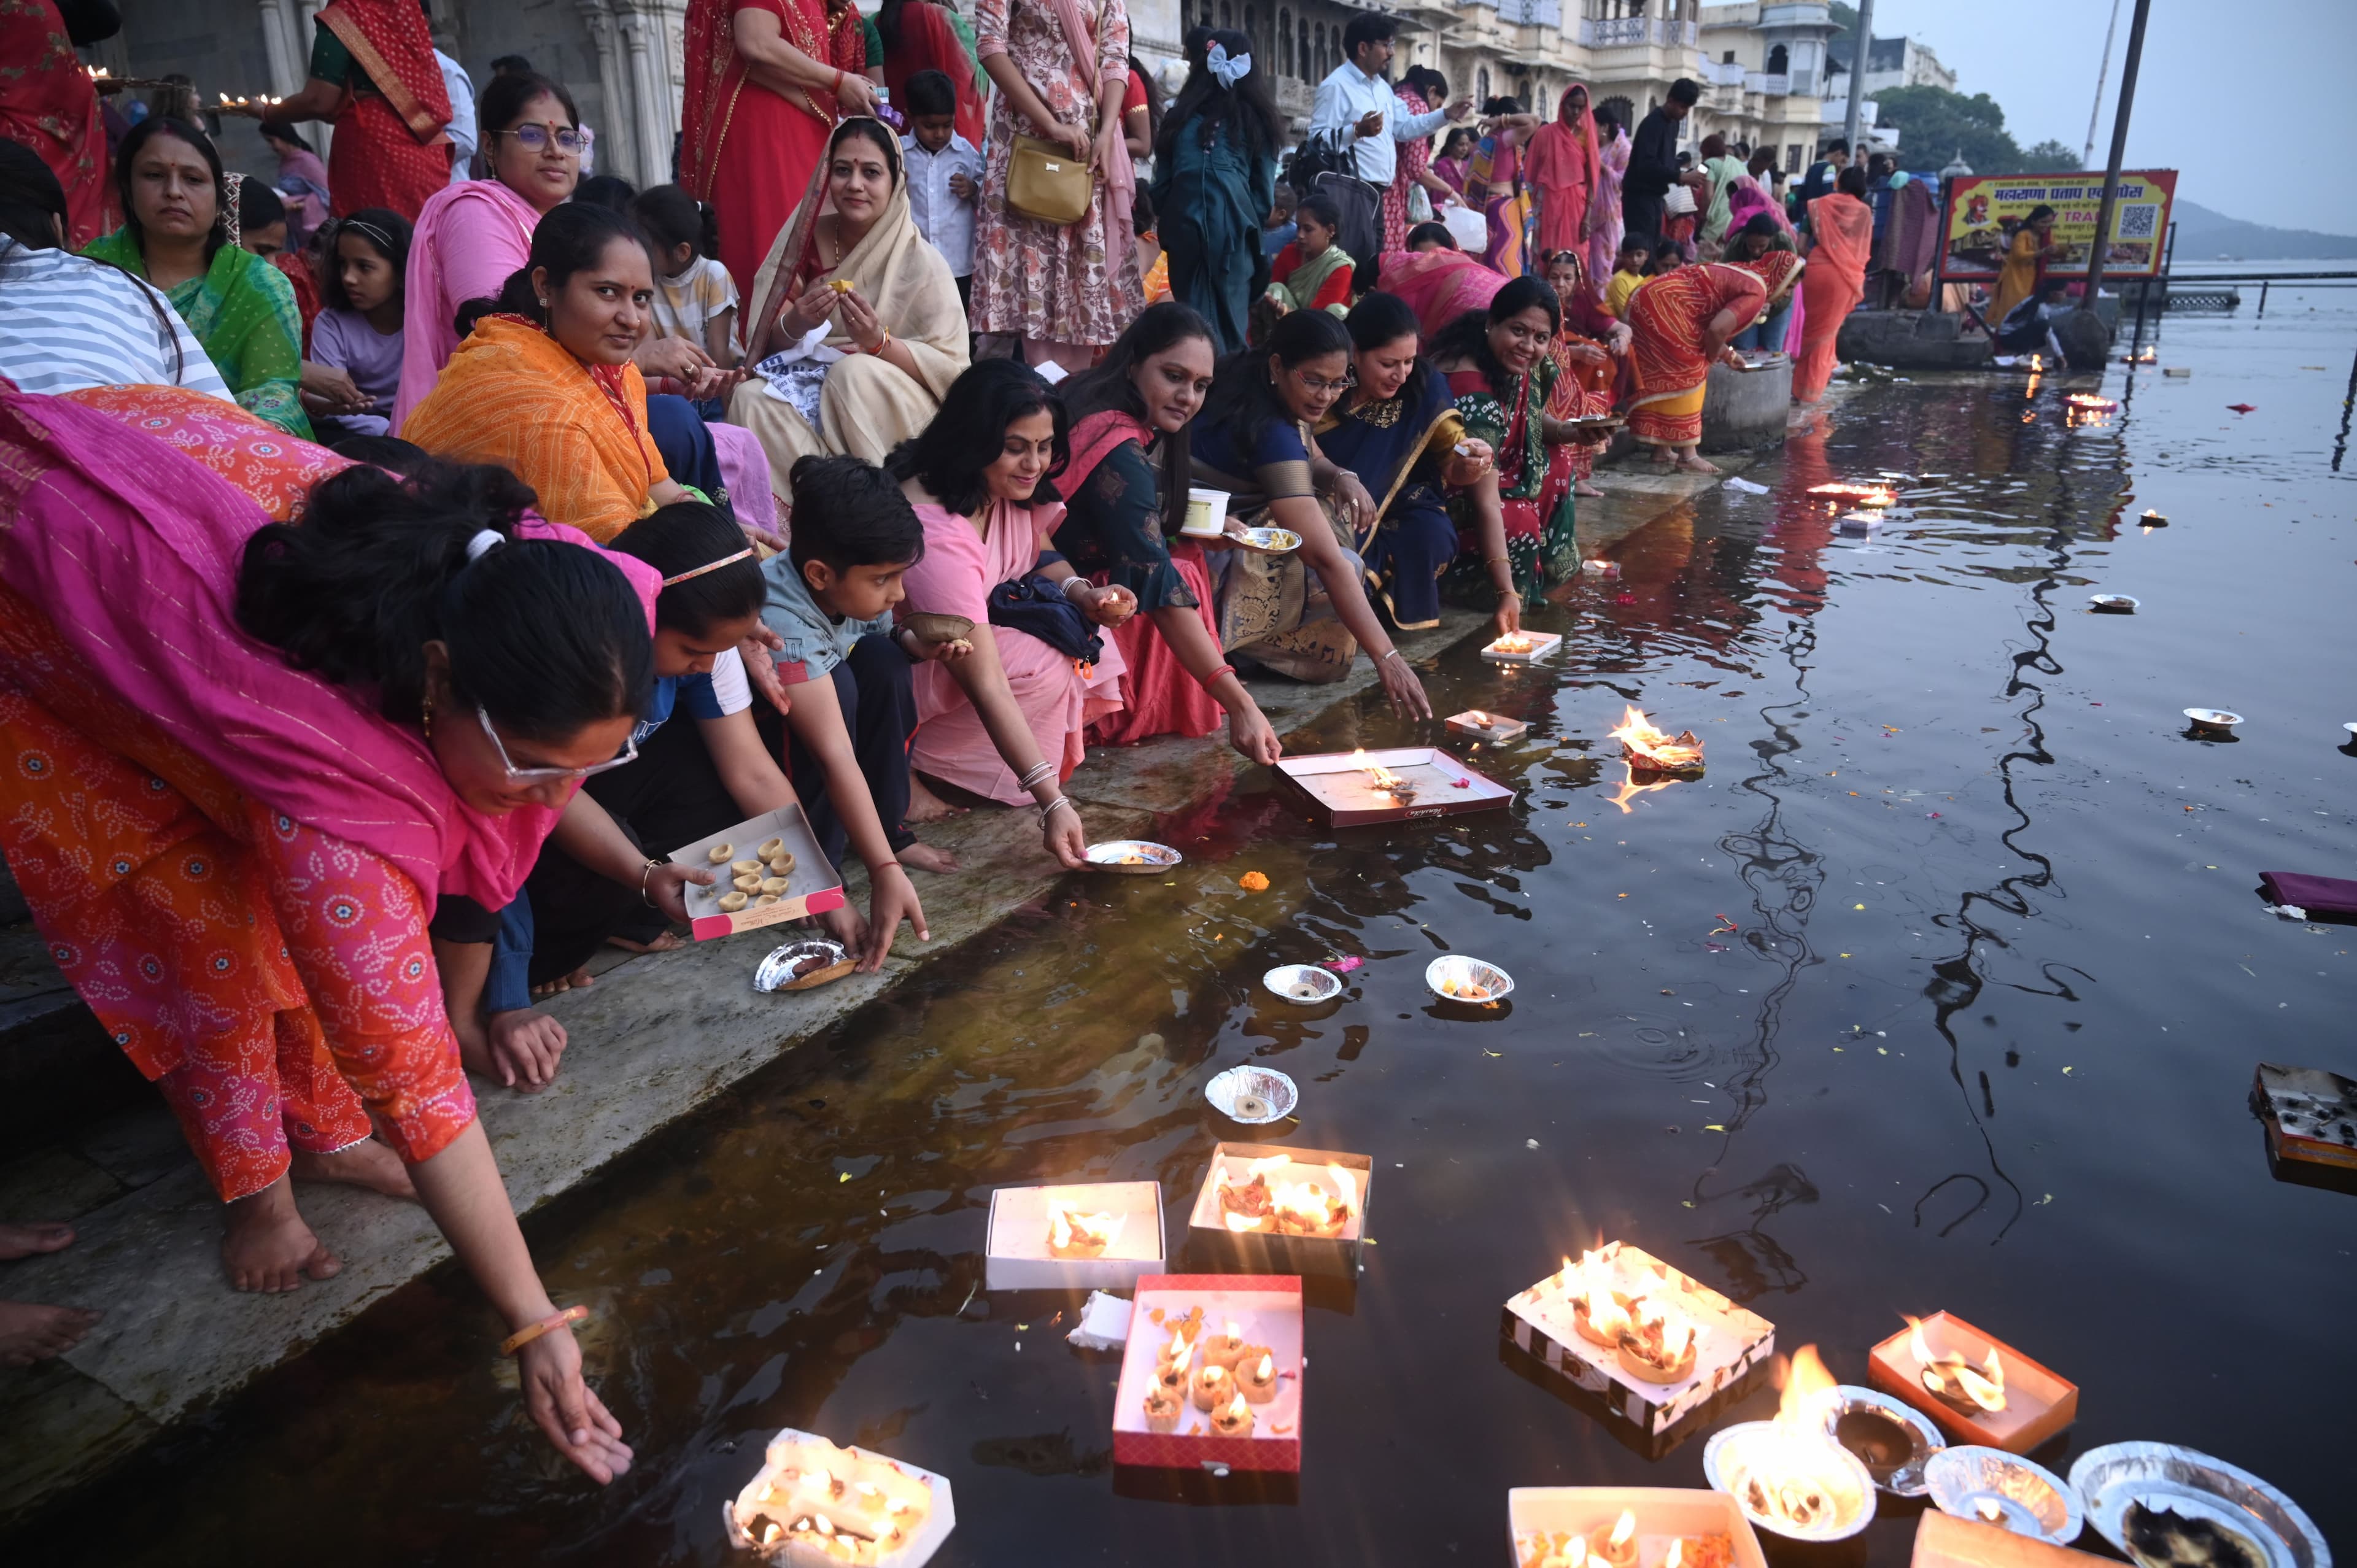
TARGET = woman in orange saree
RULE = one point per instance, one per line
(1683, 321)
(765, 88)
(1564, 171)
(374, 75)
(1843, 226)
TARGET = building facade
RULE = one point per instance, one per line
(1893, 62)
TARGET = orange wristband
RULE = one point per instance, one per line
(523, 1337)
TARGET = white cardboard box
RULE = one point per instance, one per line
(1017, 1255)
(801, 1451)
(813, 888)
(1663, 1515)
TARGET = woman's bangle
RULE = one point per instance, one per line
(1049, 809)
(645, 873)
(837, 89)
(879, 865)
(1205, 680)
(886, 343)
(1031, 780)
(1392, 653)
(549, 1325)
(1073, 579)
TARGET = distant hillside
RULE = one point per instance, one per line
(2204, 235)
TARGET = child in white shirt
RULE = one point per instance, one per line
(944, 175)
(695, 296)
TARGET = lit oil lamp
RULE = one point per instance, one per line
(1235, 1420)
(1560, 1549)
(1306, 1208)
(1616, 1547)
(1658, 1345)
(1513, 642)
(1864, 495)
(1954, 1381)
(1256, 1376)
(1163, 1410)
(1075, 1235)
(1596, 1310)
(1786, 1475)
(1651, 750)
(2037, 363)
(1222, 1350)
(2088, 403)
(1382, 780)
(1211, 1387)
(1172, 1371)
(2153, 519)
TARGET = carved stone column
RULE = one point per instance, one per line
(617, 151)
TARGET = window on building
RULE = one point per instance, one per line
(1481, 94)
(1252, 22)
(1227, 12)
(1780, 60)
(1285, 40)
(1624, 112)
(1317, 69)
(1726, 59)
(1793, 152)
(1308, 67)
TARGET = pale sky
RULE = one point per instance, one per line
(2238, 95)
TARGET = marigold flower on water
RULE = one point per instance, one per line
(1253, 882)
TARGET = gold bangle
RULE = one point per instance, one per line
(523, 1337)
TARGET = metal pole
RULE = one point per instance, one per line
(2096, 110)
(2119, 150)
(1858, 55)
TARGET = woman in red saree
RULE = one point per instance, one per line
(1438, 286)
(1587, 355)
(374, 75)
(1564, 171)
(1683, 321)
(47, 103)
(765, 87)
(918, 36)
(1843, 225)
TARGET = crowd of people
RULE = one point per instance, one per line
(367, 523)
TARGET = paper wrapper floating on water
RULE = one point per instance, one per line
(2037, 1402)
(1729, 1340)
(900, 1514)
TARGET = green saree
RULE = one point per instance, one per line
(243, 310)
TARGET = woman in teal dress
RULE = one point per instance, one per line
(175, 234)
(1215, 179)
(1501, 375)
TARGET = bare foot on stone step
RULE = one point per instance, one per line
(1582, 488)
(367, 1163)
(670, 941)
(924, 857)
(924, 806)
(580, 979)
(28, 1239)
(266, 1247)
(30, 1333)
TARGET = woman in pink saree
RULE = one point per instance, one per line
(1004, 720)
(1566, 173)
(1843, 225)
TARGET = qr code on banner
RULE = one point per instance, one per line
(2138, 221)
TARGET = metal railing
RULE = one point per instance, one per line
(1626, 32)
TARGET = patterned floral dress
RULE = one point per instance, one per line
(1048, 281)
(1534, 482)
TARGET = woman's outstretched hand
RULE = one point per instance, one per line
(568, 1410)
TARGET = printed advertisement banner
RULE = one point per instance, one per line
(1986, 211)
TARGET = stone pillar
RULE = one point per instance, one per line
(617, 150)
(288, 62)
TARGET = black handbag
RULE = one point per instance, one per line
(1038, 605)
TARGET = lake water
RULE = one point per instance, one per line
(1942, 989)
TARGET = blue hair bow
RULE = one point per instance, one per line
(1225, 71)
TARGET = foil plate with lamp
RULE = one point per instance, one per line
(2170, 1507)
(1989, 1486)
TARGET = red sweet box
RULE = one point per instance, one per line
(1266, 1311)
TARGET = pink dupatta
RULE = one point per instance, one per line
(132, 549)
(469, 237)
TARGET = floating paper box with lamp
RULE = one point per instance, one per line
(1628, 1527)
(1521, 647)
(1656, 1343)
(1650, 750)
(1978, 1388)
(1482, 724)
(1863, 495)
(1394, 785)
(1211, 1374)
(1300, 1211)
(814, 1503)
(1096, 1236)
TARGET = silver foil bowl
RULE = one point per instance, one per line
(1114, 855)
(2113, 604)
(1727, 1466)
(1253, 1095)
(1458, 970)
(1989, 1486)
(2194, 1486)
(776, 972)
(1303, 983)
(1272, 541)
(1903, 1478)
(2215, 721)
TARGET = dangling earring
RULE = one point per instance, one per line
(427, 715)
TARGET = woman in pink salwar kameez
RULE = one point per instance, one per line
(1005, 721)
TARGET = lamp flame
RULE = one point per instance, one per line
(1864, 495)
(1951, 1376)
(1622, 1529)
(1653, 749)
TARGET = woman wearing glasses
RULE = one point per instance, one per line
(243, 763)
(472, 235)
(1305, 613)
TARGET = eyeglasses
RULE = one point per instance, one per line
(532, 138)
(549, 775)
(1316, 385)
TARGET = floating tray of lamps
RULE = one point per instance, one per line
(2152, 519)
(814, 1503)
(1992, 1487)
(1628, 1527)
(1283, 1212)
(1211, 1374)
(1657, 1343)
(1786, 1475)
(2163, 1505)
(2310, 1114)
(2088, 403)
(1521, 647)
(1651, 750)
(1889, 1439)
(1387, 786)
(1977, 1388)
(1484, 726)
(1084, 1236)
(1839, 493)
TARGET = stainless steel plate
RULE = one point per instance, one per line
(1132, 858)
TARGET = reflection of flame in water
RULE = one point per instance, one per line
(2091, 401)
(1629, 789)
(1950, 1375)
(1866, 494)
(1654, 748)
